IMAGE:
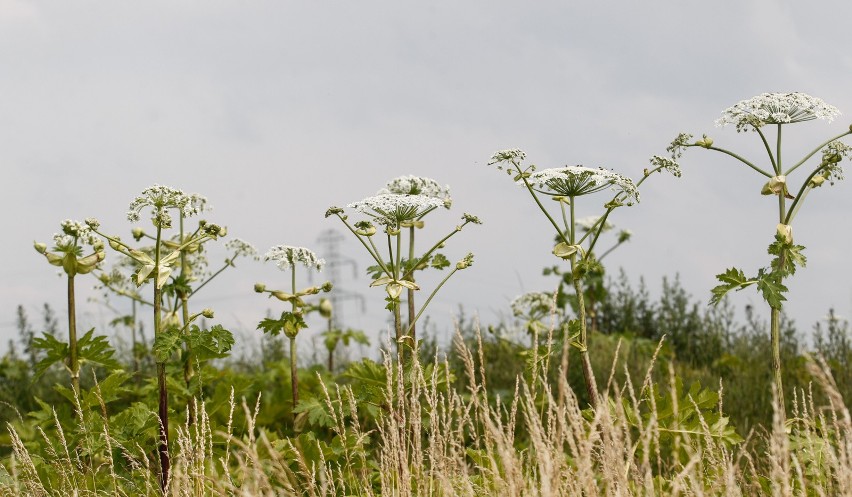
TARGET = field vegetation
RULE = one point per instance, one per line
(590, 387)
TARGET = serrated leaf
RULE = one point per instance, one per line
(55, 351)
(315, 412)
(166, 343)
(732, 279)
(770, 286)
(439, 261)
(214, 343)
(96, 350)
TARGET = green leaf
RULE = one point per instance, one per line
(214, 343)
(166, 343)
(771, 288)
(315, 411)
(792, 255)
(55, 351)
(732, 279)
(96, 350)
(439, 261)
(271, 326)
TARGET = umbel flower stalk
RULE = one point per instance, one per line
(566, 185)
(162, 201)
(427, 187)
(67, 254)
(287, 257)
(762, 115)
(393, 212)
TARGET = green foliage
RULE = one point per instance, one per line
(289, 322)
(94, 350)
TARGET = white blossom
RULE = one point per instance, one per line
(533, 305)
(589, 222)
(241, 247)
(417, 185)
(573, 181)
(162, 198)
(669, 165)
(392, 209)
(512, 155)
(286, 257)
(776, 108)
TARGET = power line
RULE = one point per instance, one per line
(334, 261)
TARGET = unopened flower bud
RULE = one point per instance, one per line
(326, 287)
(113, 244)
(325, 308)
(92, 223)
(207, 313)
(466, 262)
(259, 287)
(138, 233)
(40, 247)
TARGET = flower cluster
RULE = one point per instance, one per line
(74, 232)
(417, 185)
(589, 222)
(666, 163)
(241, 247)
(162, 198)
(533, 305)
(776, 108)
(392, 209)
(286, 257)
(832, 155)
(573, 181)
(678, 145)
(513, 155)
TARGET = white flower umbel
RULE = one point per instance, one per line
(286, 257)
(574, 181)
(395, 209)
(162, 198)
(513, 155)
(589, 222)
(533, 305)
(776, 108)
(666, 163)
(418, 185)
(241, 247)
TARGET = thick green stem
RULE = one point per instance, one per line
(412, 332)
(189, 357)
(73, 361)
(775, 166)
(588, 373)
(163, 399)
(294, 374)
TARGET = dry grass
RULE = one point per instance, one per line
(441, 442)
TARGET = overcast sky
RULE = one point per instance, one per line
(277, 110)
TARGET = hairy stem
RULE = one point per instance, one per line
(73, 361)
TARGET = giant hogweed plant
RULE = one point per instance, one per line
(427, 187)
(291, 322)
(763, 115)
(575, 242)
(393, 212)
(67, 253)
(194, 276)
(157, 265)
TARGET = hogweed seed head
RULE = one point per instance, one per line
(286, 257)
(241, 247)
(776, 108)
